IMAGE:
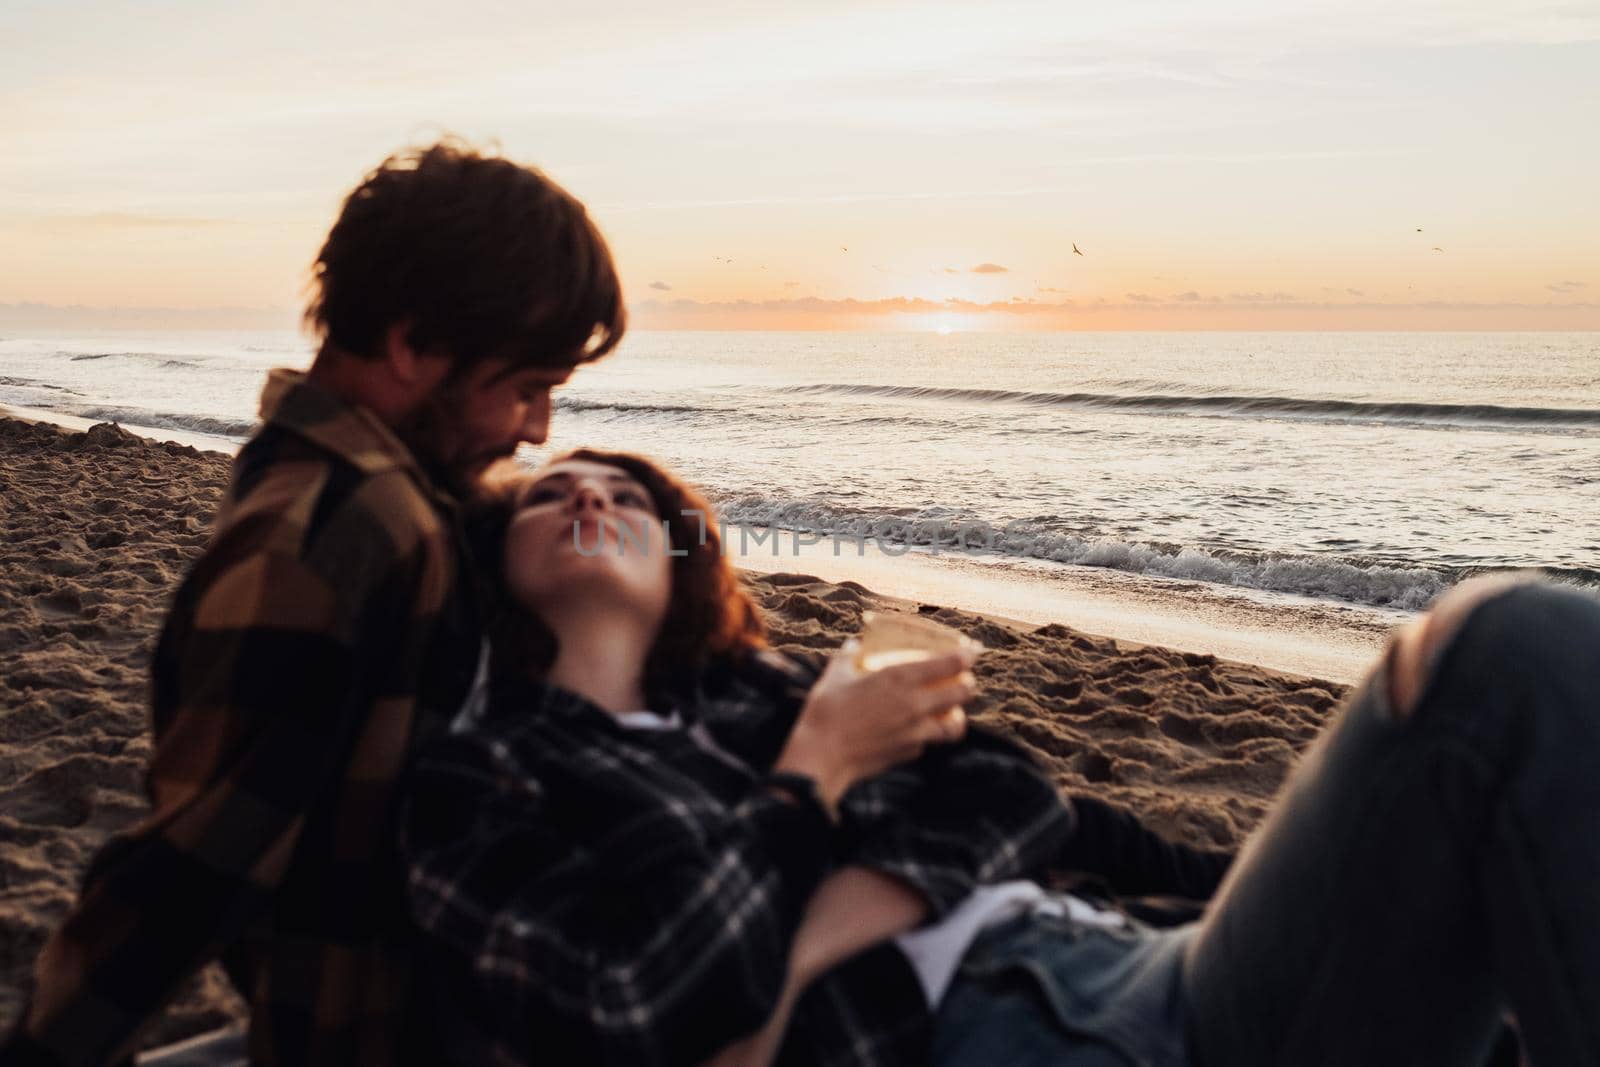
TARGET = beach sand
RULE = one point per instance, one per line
(99, 526)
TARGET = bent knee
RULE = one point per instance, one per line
(1418, 649)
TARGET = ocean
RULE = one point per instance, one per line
(1370, 469)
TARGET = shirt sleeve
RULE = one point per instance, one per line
(265, 668)
(963, 815)
(1133, 859)
(656, 944)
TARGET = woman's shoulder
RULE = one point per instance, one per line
(521, 723)
(750, 701)
(792, 666)
(763, 675)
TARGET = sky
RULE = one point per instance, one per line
(861, 165)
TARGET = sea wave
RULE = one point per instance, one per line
(1349, 578)
(214, 425)
(1265, 407)
(163, 360)
(718, 414)
(30, 383)
(578, 403)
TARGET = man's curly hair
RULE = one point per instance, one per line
(478, 257)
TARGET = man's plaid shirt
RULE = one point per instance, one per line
(600, 895)
(288, 691)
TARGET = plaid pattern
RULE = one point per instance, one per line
(600, 895)
(288, 691)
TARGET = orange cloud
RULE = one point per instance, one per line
(1140, 311)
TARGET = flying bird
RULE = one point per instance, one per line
(1419, 229)
(1436, 248)
(842, 248)
(1075, 250)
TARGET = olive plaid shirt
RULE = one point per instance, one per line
(325, 630)
(599, 895)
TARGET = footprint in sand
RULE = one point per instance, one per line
(1094, 766)
(1180, 729)
(62, 604)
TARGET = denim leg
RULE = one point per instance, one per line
(1418, 876)
(1046, 990)
(992, 1025)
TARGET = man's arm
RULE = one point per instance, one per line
(265, 670)
(1133, 859)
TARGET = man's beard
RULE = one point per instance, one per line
(436, 434)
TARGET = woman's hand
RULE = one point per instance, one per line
(855, 725)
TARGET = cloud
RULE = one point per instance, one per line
(1188, 297)
(1356, 292)
(898, 313)
(1565, 287)
(1261, 298)
(617, 207)
(1047, 289)
(990, 268)
(122, 220)
(851, 306)
(78, 316)
(951, 270)
(661, 286)
(791, 285)
(1144, 303)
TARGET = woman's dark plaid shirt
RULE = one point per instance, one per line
(611, 896)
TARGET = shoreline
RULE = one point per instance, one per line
(1290, 635)
(200, 442)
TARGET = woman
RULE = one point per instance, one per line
(661, 844)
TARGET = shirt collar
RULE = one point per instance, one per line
(293, 401)
(521, 696)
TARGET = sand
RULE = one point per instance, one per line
(96, 529)
(99, 526)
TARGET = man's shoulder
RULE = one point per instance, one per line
(290, 495)
(300, 512)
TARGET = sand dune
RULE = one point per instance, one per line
(98, 527)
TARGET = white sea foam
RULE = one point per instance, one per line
(1329, 577)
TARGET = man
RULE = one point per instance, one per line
(331, 626)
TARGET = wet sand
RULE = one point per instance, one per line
(99, 526)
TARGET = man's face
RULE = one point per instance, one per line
(466, 425)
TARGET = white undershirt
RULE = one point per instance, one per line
(649, 720)
(935, 951)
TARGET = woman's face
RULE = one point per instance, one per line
(586, 535)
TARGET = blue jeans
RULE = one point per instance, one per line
(1415, 880)
(1042, 989)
